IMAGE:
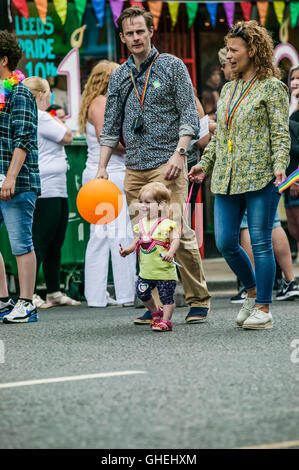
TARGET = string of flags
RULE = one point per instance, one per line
(156, 8)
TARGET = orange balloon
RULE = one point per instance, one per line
(99, 201)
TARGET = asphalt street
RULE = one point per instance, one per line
(209, 385)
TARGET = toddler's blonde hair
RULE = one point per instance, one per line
(159, 192)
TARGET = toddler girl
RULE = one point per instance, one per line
(156, 244)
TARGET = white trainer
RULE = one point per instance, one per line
(23, 312)
(246, 310)
(258, 320)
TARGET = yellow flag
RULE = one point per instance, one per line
(173, 8)
(279, 10)
(61, 9)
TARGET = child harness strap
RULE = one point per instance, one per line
(146, 241)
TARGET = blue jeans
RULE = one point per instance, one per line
(261, 208)
(17, 214)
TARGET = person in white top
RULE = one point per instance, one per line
(51, 212)
(105, 239)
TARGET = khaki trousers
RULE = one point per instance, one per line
(194, 283)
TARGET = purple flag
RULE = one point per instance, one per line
(229, 8)
(116, 8)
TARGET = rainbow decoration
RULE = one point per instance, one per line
(7, 86)
(291, 179)
(230, 112)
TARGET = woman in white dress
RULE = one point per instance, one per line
(105, 239)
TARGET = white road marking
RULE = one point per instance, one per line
(274, 445)
(70, 378)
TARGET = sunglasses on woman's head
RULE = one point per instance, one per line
(238, 32)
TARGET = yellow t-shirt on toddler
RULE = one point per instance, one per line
(151, 264)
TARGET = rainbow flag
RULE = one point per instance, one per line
(292, 178)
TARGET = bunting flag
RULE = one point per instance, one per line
(138, 4)
(156, 10)
(61, 9)
(99, 8)
(173, 8)
(192, 9)
(116, 8)
(294, 11)
(212, 8)
(262, 9)
(229, 8)
(80, 6)
(246, 8)
(42, 8)
(279, 10)
(22, 7)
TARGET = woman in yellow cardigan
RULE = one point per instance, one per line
(248, 156)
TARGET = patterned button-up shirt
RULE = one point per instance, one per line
(18, 129)
(169, 110)
(259, 136)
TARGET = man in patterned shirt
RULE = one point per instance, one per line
(156, 133)
(19, 183)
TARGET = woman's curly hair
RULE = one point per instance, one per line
(97, 84)
(10, 48)
(260, 48)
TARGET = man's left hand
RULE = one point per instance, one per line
(8, 188)
(174, 166)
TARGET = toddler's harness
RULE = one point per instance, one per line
(146, 241)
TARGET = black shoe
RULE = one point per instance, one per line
(288, 291)
(196, 314)
(240, 297)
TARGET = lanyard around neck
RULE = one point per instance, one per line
(231, 111)
(147, 78)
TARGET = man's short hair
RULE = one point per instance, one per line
(10, 48)
(133, 12)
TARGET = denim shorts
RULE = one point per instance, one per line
(17, 215)
(288, 200)
(244, 223)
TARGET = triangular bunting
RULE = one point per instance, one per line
(99, 8)
(262, 9)
(246, 8)
(294, 11)
(22, 7)
(212, 8)
(156, 10)
(138, 4)
(42, 8)
(116, 8)
(229, 8)
(192, 9)
(61, 9)
(173, 8)
(80, 6)
(279, 10)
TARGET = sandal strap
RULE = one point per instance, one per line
(164, 324)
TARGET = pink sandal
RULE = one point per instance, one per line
(163, 325)
(156, 317)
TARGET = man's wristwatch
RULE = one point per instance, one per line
(182, 151)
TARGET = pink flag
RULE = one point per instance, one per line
(229, 8)
(22, 7)
(116, 8)
(246, 8)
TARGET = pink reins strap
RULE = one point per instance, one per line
(148, 238)
(186, 208)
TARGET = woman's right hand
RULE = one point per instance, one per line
(102, 173)
(196, 174)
